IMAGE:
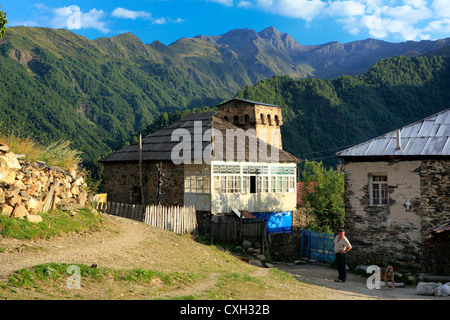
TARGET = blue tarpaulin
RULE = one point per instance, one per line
(276, 221)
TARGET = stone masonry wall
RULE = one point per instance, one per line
(27, 189)
(118, 182)
(262, 118)
(435, 189)
(395, 233)
(383, 233)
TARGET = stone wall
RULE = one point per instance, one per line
(435, 209)
(435, 190)
(121, 178)
(394, 233)
(287, 246)
(247, 115)
(27, 189)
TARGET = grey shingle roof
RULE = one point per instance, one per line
(159, 145)
(427, 137)
(249, 102)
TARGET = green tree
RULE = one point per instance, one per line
(3, 23)
(326, 202)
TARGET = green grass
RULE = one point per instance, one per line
(54, 223)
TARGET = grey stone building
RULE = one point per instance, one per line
(214, 161)
(397, 186)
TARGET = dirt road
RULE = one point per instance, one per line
(354, 288)
(130, 244)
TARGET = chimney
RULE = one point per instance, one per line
(399, 140)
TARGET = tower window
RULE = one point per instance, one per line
(277, 121)
(262, 119)
(269, 120)
(236, 120)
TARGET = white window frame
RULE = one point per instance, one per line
(379, 189)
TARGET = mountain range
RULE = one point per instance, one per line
(99, 93)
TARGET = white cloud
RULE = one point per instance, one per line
(402, 19)
(346, 8)
(72, 17)
(244, 4)
(303, 9)
(228, 3)
(441, 8)
(159, 21)
(129, 14)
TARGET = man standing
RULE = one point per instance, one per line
(341, 247)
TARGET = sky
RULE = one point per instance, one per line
(307, 21)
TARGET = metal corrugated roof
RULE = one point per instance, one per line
(159, 145)
(427, 137)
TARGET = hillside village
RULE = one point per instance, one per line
(235, 176)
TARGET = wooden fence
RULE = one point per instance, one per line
(230, 229)
(178, 219)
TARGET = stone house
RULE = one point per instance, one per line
(397, 186)
(215, 161)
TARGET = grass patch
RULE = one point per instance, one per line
(54, 223)
(57, 153)
(50, 281)
(235, 286)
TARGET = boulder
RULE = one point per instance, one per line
(34, 218)
(19, 211)
(442, 290)
(7, 176)
(9, 161)
(426, 288)
(6, 209)
(246, 244)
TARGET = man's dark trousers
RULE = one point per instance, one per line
(341, 261)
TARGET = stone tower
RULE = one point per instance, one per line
(265, 118)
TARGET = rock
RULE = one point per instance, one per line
(237, 249)
(34, 218)
(82, 198)
(256, 262)
(261, 257)
(3, 147)
(41, 164)
(442, 290)
(269, 265)
(6, 209)
(9, 161)
(19, 211)
(253, 250)
(246, 244)
(31, 204)
(19, 184)
(7, 176)
(426, 288)
(257, 245)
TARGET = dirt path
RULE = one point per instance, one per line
(109, 248)
(130, 244)
(354, 288)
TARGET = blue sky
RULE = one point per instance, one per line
(308, 21)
